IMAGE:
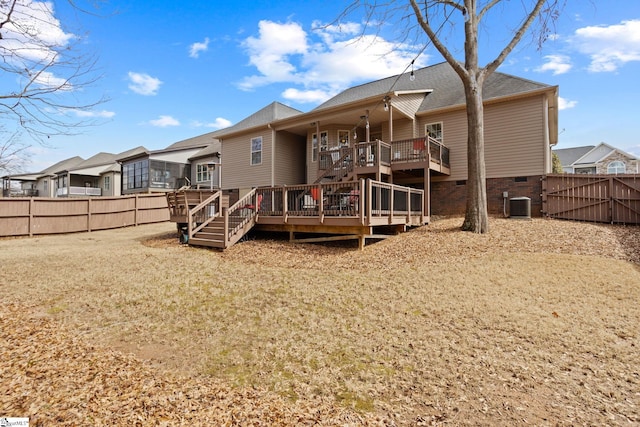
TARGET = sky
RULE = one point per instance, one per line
(172, 70)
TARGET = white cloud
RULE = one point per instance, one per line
(218, 123)
(322, 62)
(558, 64)
(609, 47)
(306, 96)
(197, 47)
(47, 80)
(34, 34)
(565, 104)
(143, 84)
(101, 114)
(164, 121)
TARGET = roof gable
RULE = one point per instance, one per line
(569, 156)
(63, 165)
(196, 141)
(270, 113)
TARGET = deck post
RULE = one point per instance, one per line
(285, 203)
(361, 200)
(321, 203)
(225, 213)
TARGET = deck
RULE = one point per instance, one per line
(349, 199)
(361, 210)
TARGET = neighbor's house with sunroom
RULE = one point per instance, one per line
(190, 162)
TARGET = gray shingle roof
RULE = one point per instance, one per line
(196, 141)
(447, 87)
(63, 165)
(568, 156)
(270, 113)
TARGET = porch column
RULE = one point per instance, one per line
(390, 120)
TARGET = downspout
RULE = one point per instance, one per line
(390, 121)
(367, 133)
(547, 145)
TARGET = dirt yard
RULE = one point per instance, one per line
(537, 323)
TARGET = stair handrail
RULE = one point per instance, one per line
(241, 203)
(198, 208)
(339, 167)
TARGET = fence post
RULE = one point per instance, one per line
(89, 214)
(31, 208)
(135, 216)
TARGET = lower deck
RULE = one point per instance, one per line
(363, 209)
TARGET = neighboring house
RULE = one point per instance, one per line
(39, 184)
(167, 169)
(599, 159)
(206, 167)
(392, 124)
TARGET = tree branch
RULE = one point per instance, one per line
(491, 67)
(426, 27)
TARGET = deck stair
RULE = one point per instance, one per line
(211, 223)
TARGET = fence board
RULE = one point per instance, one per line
(594, 198)
(33, 216)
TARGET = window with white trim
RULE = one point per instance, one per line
(324, 140)
(343, 138)
(434, 130)
(616, 167)
(256, 150)
(203, 173)
(107, 183)
(314, 147)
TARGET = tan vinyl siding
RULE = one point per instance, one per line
(515, 146)
(402, 129)
(289, 161)
(237, 171)
(514, 139)
(409, 103)
(454, 135)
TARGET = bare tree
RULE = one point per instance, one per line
(439, 20)
(45, 71)
(13, 153)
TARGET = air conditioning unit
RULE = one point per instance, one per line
(520, 208)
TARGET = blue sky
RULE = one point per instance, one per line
(173, 70)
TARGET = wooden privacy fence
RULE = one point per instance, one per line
(33, 216)
(596, 198)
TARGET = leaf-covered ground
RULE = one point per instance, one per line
(537, 323)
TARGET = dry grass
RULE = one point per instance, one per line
(535, 323)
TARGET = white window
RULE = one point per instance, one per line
(314, 147)
(434, 130)
(616, 167)
(343, 138)
(203, 173)
(107, 182)
(324, 141)
(256, 150)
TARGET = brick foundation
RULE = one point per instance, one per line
(449, 197)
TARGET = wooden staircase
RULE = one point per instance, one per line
(211, 235)
(205, 219)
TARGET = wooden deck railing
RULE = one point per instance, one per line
(370, 202)
(203, 213)
(341, 162)
(415, 150)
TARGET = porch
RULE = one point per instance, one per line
(378, 159)
(361, 210)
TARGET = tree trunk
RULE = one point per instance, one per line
(476, 217)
